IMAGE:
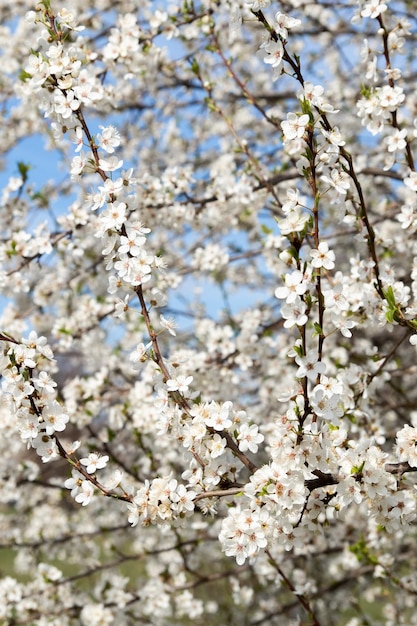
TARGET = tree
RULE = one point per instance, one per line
(209, 409)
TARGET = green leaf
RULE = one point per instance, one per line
(64, 331)
(390, 315)
(111, 434)
(23, 170)
(390, 297)
(24, 76)
(362, 552)
(195, 68)
(298, 350)
(394, 310)
(366, 92)
(357, 469)
(306, 106)
(318, 331)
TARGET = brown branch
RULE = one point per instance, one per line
(176, 396)
(218, 493)
(300, 597)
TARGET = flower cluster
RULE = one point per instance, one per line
(244, 533)
(160, 502)
(211, 287)
(38, 413)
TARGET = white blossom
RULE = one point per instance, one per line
(94, 462)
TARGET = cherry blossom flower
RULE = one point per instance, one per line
(343, 323)
(397, 140)
(182, 500)
(139, 353)
(96, 615)
(114, 216)
(74, 483)
(45, 447)
(217, 446)
(325, 404)
(411, 181)
(275, 52)
(294, 126)
(78, 163)
(339, 180)
(407, 445)
(54, 417)
(259, 5)
(108, 139)
(295, 221)
(294, 313)
(180, 383)
(169, 324)
(121, 307)
(131, 244)
(66, 104)
(309, 366)
(323, 257)
(295, 285)
(249, 438)
(283, 23)
(85, 493)
(110, 164)
(373, 9)
(29, 426)
(94, 462)
(218, 416)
